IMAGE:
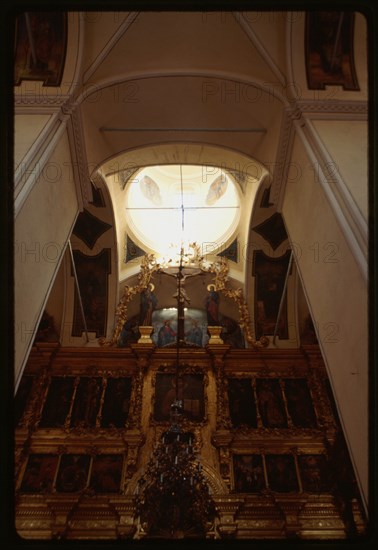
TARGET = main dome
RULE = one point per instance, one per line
(167, 206)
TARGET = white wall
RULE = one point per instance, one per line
(346, 142)
(336, 292)
(42, 228)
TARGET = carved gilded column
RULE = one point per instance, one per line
(143, 354)
(134, 437)
(30, 419)
(282, 386)
(218, 352)
(104, 384)
(258, 415)
(69, 415)
(222, 440)
(322, 405)
(134, 440)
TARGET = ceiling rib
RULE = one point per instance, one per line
(110, 45)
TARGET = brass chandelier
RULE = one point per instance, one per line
(173, 499)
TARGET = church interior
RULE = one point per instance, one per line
(191, 275)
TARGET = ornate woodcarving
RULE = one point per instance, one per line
(76, 473)
(219, 269)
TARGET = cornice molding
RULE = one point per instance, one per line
(38, 103)
(341, 109)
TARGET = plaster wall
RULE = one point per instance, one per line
(41, 233)
(350, 162)
(338, 300)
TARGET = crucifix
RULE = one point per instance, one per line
(181, 273)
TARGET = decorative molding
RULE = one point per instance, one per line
(343, 109)
(36, 104)
(284, 148)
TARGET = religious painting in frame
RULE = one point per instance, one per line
(190, 391)
(40, 47)
(39, 473)
(73, 473)
(299, 403)
(282, 477)
(248, 473)
(58, 401)
(106, 473)
(270, 274)
(164, 322)
(270, 403)
(87, 402)
(314, 473)
(116, 405)
(92, 273)
(329, 50)
(241, 401)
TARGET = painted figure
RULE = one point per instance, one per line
(148, 302)
(212, 306)
(249, 473)
(216, 190)
(151, 190)
(270, 405)
(281, 473)
(194, 335)
(166, 334)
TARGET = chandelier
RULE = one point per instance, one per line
(173, 498)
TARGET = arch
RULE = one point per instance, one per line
(266, 87)
(253, 175)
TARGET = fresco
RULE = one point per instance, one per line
(164, 322)
(329, 50)
(248, 473)
(40, 47)
(241, 402)
(270, 274)
(92, 273)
